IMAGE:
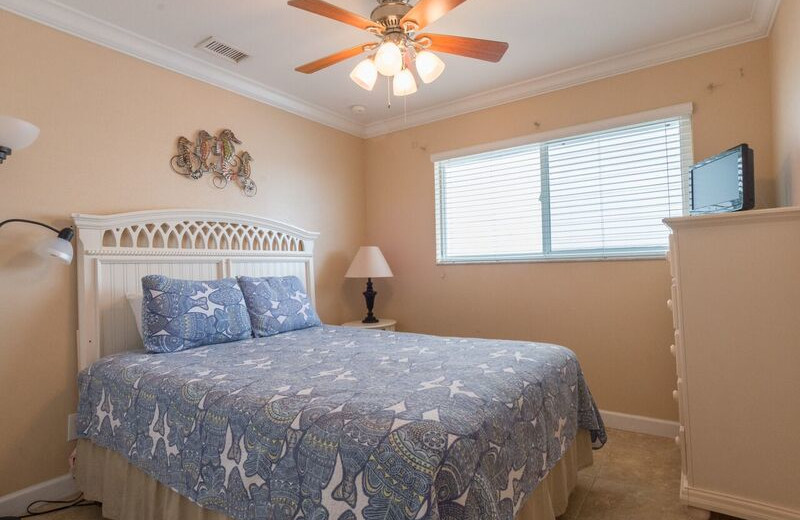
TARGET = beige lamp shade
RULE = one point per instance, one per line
(369, 263)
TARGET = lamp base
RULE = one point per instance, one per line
(369, 297)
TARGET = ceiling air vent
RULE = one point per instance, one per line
(222, 49)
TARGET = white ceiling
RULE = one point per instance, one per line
(553, 44)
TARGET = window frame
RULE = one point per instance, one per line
(684, 110)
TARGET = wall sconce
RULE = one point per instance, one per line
(15, 134)
(59, 247)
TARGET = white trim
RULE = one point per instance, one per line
(733, 505)
(101, 222)
(640, 424)
(64, 18)
(555, 259)
(682, 109)
(756, 27)
(55, 489)
(58, 16)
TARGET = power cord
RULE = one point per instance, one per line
(61, 505)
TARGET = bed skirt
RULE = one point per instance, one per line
(127, 493)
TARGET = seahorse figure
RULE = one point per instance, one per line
(205, 142)
(184, 160)
(225, 169)
(227, 139)
(184, 153)
(244, 170)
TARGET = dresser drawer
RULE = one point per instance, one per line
(678, 396)
(677, 351)
(671, 260)
(672, 304)
(680, 440)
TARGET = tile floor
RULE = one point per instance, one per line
(634, 477)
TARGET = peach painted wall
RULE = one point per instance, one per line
(785, 46)
(108, 128)
(109, 124)
(612, 314)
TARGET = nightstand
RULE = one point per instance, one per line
(381, 325)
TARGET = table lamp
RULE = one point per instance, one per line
(369, 263)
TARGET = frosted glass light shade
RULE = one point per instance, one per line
(17, 134)
(429, 66)
(369, 263)
(389, 59)
(404, 83)
(365, 74)
(57, 248)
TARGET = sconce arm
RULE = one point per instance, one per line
(67, 233)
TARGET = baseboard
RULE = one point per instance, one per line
(55, 489)
(735, 506)
(640, 424)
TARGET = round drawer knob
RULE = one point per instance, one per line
(672, 349)
(678, 440)
(669, 304)
(675, 394)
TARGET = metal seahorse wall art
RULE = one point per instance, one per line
(215, 156)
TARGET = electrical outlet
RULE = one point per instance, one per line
(72, 427)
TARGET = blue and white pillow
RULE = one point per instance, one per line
(182, 314)
(277, 304)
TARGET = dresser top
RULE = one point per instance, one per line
(738, 217)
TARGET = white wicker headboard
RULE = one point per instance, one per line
(115, 251)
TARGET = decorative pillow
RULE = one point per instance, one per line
(182, 314)
(135, 301)
(277, 305)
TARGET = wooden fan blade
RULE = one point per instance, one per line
(331, 11)
(333, 59)
(428, 11)
(487, 50)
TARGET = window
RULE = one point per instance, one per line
(596, 195)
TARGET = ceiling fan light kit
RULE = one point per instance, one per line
(404, 83)
(396, 23)
(429, 66)
(365, 74)
(389, 59)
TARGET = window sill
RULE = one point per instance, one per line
(554, 259)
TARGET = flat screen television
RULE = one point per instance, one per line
(723, 183)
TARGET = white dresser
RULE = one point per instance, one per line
(736, 312)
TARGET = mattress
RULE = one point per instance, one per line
(341, 423)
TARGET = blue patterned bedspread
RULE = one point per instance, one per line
(341, 424)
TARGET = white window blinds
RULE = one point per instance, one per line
(598, 195)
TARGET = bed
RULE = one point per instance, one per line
(320, 423)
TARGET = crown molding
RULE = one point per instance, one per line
(757, 26)
(66, 19)
(58, 16)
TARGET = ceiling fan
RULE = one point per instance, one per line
(397, 24)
